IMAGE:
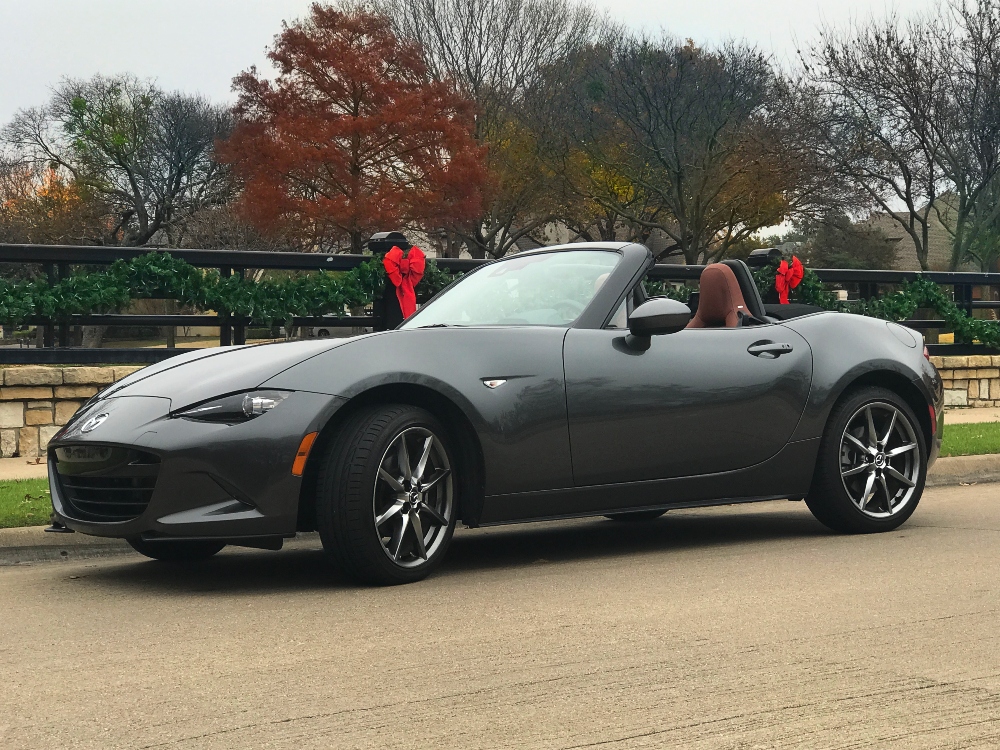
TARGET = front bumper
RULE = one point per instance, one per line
(214, 480)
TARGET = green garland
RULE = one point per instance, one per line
(162, 276)
(897, 306)
(660, 288)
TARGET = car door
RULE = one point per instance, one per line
(696, 402)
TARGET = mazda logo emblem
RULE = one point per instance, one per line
(94, 422)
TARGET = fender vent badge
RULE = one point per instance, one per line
(492, 383)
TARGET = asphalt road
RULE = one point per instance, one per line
(739, 627)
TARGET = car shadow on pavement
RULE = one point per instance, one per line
(677, 531)
(242, 571)
(234, 571)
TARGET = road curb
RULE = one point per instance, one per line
(964, 470)
(32, 544)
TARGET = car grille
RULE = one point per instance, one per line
(105, 484)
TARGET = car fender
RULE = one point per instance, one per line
(520, 423)
(851, 348)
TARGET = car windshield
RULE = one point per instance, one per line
(540, 289)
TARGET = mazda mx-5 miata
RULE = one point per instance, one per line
(544, 385)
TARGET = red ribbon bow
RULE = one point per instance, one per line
(405, 273)
(787, 278)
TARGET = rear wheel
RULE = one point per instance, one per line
(176, 550)
(871, 466)
(386, 508)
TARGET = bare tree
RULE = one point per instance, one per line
(595, 200)
(968, 127)
(684, 140)
(497, 52)
(225, 228)
(909, 112)
(834, 241)
(872, 123)
(145, 153)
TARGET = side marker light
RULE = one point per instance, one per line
(299, 464)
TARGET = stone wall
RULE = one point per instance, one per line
(36, 401)
(970, 381)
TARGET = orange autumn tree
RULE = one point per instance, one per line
(352, 136)
(39, 205)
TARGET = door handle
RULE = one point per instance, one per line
(768, 349)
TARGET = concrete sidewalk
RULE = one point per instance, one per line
(22, 468)
(968, 416)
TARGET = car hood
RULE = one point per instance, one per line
(206, 373)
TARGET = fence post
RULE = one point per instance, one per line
(49, 335)
(868, 289)
(385, 307)
(239, 326)
(63, 269)
(225, 332)
(963, 298)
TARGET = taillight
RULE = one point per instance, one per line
(927, 354)
(931, 409)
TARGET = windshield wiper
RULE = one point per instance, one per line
(439, 325)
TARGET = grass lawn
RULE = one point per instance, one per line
(971, 439)
(24, 502)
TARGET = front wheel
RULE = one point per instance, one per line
(387, 505)
(176, 550)
(871, 466)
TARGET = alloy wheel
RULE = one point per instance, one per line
(413, 501)
(880, 460)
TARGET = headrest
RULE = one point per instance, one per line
(751, 294)
(720, 300)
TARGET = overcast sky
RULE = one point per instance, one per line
(199, 45)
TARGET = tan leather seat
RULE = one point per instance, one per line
(720, 301)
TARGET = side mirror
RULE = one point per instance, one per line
(654, 318)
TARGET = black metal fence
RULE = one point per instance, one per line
(870, 284)
(58, 260)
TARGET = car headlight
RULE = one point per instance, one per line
(239, 407)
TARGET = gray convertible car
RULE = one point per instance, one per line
(545, 385)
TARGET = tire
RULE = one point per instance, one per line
(636, 517)
(369, 508)
(170, 550)
(868, 480)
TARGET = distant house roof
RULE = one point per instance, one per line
(939, 242)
